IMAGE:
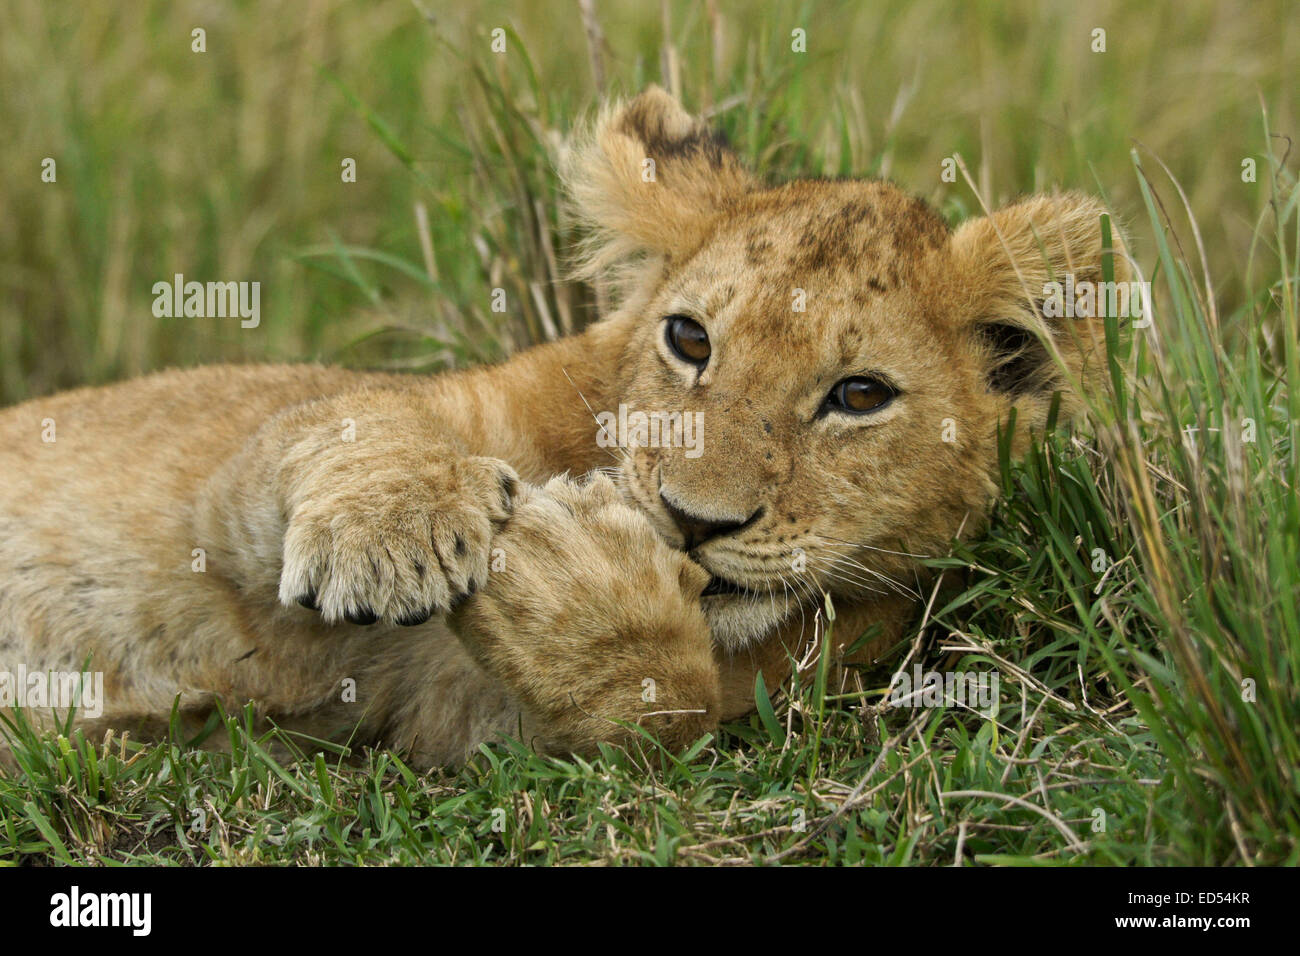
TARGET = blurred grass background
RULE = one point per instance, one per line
(226, 164)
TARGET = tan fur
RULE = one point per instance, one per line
(562, 608)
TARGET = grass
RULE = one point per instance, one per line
(1137, 591)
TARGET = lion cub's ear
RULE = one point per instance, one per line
(648, 179)
(1019, 265)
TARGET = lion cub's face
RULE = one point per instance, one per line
(823, 364)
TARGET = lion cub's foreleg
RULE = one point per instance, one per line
(362, 506)
(592, 620)
(567, 598)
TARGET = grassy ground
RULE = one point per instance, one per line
(1137, 593)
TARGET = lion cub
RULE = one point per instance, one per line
(798, 394)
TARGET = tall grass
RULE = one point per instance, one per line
(226, 164)
(1206, 449)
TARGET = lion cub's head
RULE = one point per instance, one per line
(840, 358)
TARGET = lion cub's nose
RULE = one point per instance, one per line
(696, 530)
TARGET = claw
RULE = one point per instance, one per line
(362, 616)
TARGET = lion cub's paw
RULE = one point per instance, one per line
(399, 544)
(593, 620)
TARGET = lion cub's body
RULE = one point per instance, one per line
(171, 613)
(181, 600)
(398, 560)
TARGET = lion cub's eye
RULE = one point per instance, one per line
(857, 396)
(688, 340)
